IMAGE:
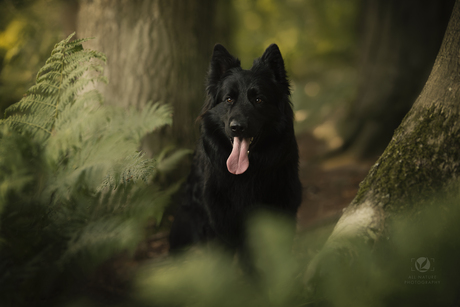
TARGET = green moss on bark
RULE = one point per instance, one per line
(416, 163)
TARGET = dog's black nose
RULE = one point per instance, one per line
(236, 127)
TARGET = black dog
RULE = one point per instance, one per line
(247, 156)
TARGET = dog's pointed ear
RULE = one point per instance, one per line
(221, 62)
(274, 60)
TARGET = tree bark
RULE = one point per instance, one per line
(422, 158)
(157, 51)
(399, 44)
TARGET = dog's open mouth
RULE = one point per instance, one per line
(238, 161)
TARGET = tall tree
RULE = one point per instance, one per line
(399, 44)
(422, 159)
(156, 51)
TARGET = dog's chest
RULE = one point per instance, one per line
(237, 194)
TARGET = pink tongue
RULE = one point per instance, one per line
(238, 162)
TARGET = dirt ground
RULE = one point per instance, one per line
(329, 185)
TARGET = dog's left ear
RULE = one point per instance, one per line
(273, 59)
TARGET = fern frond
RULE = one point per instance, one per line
(30, 124)
(133, 168)
(65, 74)
(109, 223)
(152, 117)
(89, 138)
(101, 239)
(76, 43)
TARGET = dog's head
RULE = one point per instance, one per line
(247, 106)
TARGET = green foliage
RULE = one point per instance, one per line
(74, 189)
(57, 84)
(384, 275)
(309, 33)
(209, 277)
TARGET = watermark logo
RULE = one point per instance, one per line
(423, 264)
(422, 272)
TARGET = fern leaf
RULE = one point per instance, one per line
(65, 74)
(132, 169)
(30, 124)
(101, 239)
(152, 117)
(76, 43)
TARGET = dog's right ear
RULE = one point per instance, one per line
(221, 62)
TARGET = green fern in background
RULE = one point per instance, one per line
(74, 189)
(57, 85)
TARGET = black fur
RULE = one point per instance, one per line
(245, 104)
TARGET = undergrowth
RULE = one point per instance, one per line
(74, 187)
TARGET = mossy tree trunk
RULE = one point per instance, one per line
(399, 44)
(157, 51)
(422, 159)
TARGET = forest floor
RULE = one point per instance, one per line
(329, 185)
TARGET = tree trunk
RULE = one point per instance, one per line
(399, 44)
(157, 51)
(422, 158)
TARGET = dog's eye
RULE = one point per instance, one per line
(229, 100)
(258, 100)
